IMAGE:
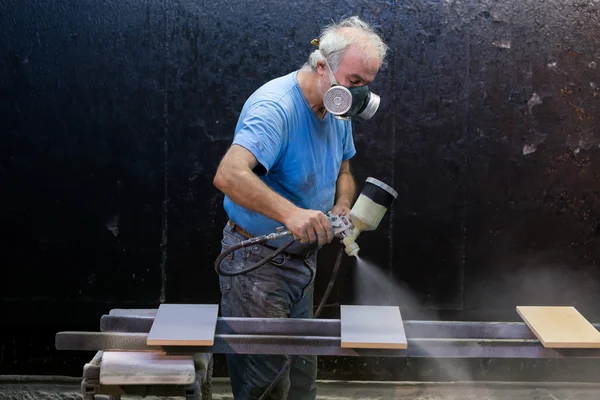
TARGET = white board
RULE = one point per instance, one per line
(372, 327)
(184, 325)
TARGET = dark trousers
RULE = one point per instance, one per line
(282, 288)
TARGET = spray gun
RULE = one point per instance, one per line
(366, 214)
(341, 228)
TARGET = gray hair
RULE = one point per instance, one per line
(334, 41)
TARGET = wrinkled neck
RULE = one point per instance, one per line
(310, 82)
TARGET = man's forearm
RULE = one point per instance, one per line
(243, 187)
(345, 189)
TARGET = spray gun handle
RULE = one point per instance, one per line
(340, 224)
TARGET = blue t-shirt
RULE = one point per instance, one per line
(299, 154)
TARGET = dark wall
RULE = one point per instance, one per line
(115, 116)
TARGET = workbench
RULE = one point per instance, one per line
(127, 331)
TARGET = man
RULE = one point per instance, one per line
(288, 166)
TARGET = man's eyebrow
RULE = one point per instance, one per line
(358, 77)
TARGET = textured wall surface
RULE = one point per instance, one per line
(115, 115)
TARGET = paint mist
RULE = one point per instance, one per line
(372, 286)
(375, 288)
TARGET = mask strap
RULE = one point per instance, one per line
(330, 73)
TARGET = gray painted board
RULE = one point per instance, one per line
(372, 327)
(184, 325)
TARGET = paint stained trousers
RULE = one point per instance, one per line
(282, 288)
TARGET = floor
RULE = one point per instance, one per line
(353, 390)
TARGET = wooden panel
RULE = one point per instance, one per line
(560, 327)
(372, 327)
(146, 368)
(184, 325)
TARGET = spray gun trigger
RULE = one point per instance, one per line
(347, 221)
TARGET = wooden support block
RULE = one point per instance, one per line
(184, 325)
(372, 327)
(560, 327)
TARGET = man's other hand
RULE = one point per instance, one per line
(309, 226)
(342, 210)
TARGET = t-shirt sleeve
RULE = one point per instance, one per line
(349, 149)
(263, 131)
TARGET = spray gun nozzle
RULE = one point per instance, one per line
(349, 242)
(352, 250)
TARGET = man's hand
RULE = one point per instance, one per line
(309, 226)
(341, 209)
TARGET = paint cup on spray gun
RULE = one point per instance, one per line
(366, 214)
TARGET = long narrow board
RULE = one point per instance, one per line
(372, 327)
(184, 325)
(560, 327)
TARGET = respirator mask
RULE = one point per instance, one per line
(346, 103)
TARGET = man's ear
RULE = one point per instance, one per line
(321, 67)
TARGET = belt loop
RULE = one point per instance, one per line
(231, 225)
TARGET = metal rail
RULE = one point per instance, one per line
(324, 346)
(332, 327)
(127, 330)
